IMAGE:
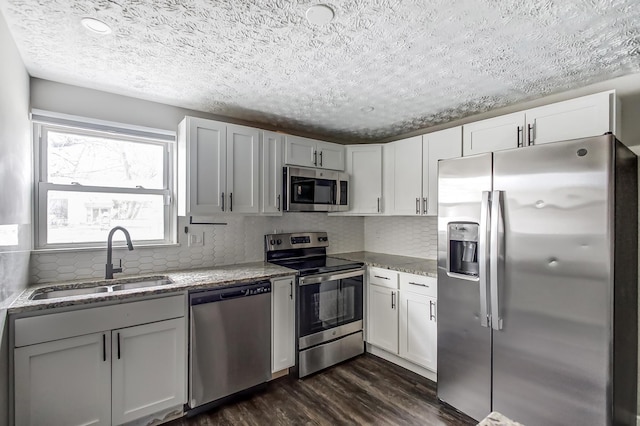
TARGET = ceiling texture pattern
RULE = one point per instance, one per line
(417, 63)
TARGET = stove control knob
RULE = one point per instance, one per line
(272, 242)
(279, 242)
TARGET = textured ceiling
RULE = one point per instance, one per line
(418, 63)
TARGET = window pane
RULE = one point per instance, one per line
(101, 161)
(81, 217)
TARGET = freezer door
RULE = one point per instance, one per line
(464, 339)
(552, 323)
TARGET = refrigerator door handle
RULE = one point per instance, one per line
(483, 256)
(497, 235)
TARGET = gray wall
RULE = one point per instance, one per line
(15, 195)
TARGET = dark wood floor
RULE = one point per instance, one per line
(365, 390)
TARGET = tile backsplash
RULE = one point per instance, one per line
(241, 240)
(405, 236)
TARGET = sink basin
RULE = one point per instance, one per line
(53, 294)
(141, 284)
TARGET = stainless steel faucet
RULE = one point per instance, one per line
(109, 267)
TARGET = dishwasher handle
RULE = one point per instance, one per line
(228, 293)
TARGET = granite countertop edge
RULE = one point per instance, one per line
(194, 279)
(411, 265)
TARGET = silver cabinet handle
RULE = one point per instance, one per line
(278, 202)
(291, 290)
(425, 205)
(231, 201)
(483, 266)
(222, 201)
(419, 284)
(497, 235)
(382, 278)
(432, 305)
(378, 204)
(393, 300)
(418, 205)
(320, 158)
(315, 158)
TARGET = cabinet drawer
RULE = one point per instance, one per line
(419, 284)
(383, 277)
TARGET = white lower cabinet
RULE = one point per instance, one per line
(65, 382)
(147, 369)
(135, 368)
(382, 329)
(282, 323)
(402, 313)
(418, 329)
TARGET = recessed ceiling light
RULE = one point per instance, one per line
(367, 109)
(320, 14)
(95, 26)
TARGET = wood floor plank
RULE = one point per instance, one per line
(366, 390)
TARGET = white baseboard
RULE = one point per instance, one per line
(431, 375)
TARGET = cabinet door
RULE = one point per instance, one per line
(407, 177)
(493, 134)
(382, 330)
(437, 146)
(64, 382)
(243, 169)
(271, 172)
(364, 166)
(572, 119)
(207, 165)
(330, 156)
(299, 151)
(418, 330)
(283, 324)
(149, 369)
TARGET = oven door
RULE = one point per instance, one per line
(329, 306)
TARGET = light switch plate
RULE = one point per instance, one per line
(196, 239)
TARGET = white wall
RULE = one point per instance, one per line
(15, 195)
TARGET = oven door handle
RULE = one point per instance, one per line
(315, 279)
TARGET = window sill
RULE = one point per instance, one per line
(103, 248)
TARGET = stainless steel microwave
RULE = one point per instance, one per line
(315, 190)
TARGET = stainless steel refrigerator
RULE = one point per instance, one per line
(537, 283)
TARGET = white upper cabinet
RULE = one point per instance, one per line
(494, 134)
(592, 115)
(404, 177)
(202, 166)
(437, 146)
(586, 116)
(307, 152)
(218, 168)
(271, 151)
(411, 171)
(243, 169)
(364, 166)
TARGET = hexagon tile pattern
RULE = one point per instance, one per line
(417, 63)
(404, 236)
(241, 240)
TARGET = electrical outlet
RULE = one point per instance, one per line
(196, 239)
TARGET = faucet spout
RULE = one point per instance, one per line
(109, 269)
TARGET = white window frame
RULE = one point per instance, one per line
(43, 122)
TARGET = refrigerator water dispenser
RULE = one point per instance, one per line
(463, 249)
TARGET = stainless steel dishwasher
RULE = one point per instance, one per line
(230, 342)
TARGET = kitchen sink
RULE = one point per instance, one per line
(123, 285)
(54, 294)
(141, 284)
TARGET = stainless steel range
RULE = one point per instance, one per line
(329, 295)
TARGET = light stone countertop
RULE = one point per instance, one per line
(182, 280)
(412, 265)
(497, 419)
